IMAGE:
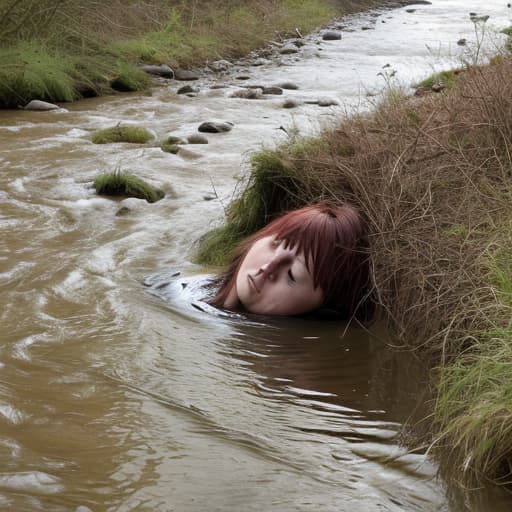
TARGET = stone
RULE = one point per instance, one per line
(367, 28)
(289, 103)
(260, 62)
(475, 18)
(215, 126)
(248, 94)
(122, 211)
(327, 102)
(243, 77)
(288, 49)
(185, 75)
(462, 42)
(410, 11)
(272, 90)
(421, 91)
(40, 105)
(220, 66)
(331, 35)
(163, 70)
(186, 89)
(197, 138)
(438, 86)
(288, 85)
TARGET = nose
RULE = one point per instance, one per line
(271, 268)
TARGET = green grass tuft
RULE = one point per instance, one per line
(129, 78)
(273, 187)
(446, 77)
(133, 134)
(31, 71)
(118, 183)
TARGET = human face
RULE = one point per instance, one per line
(274, 280)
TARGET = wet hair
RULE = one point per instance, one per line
(334, 242)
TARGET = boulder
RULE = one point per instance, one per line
(272, 90)
(215, 126)
(163, 70)
(410, 11)
(288, 85)
(186, 89)
(219, 66)
(462, 42)
(40, 105)
(288, 49)
(185, 75)
(331, 35)
(248, 94)
(197, 138)
(327, 102)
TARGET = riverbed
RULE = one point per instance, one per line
(114, 399)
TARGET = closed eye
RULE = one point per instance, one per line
(290, 275)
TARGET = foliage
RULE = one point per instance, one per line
(118, 183)
(31, 71)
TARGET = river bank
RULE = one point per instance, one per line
(60, 53)
(432, 177)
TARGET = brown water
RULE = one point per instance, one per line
(116, 400)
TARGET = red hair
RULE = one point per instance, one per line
(334, 242)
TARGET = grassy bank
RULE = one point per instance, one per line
(61, 51)
(432, 176)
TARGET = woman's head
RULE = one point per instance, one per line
(308, 258)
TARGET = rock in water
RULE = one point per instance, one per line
(196, 138)
(215, 126)
(40, 105)
(183, 74)
(248, 94)
(163, 70)
(331, 35)
(219, 66)
(186, 89)
(272, 90)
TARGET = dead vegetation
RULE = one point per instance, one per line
(433, 178)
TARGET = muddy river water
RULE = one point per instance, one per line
(113, 399)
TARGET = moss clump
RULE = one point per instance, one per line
(118, 183)
(171, 144)
(169, 148)
(133, 134)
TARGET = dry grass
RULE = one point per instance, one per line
(433, 178)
